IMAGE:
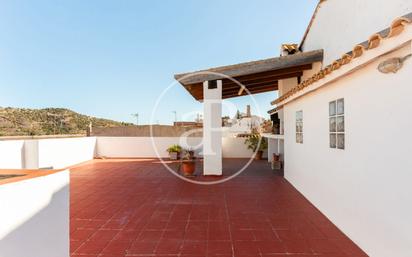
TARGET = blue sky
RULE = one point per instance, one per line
(114, 58)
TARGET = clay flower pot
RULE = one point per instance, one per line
(188, 167)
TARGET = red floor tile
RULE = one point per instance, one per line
(194, 247)
(169, 246)
(220, 247)
(136, 207)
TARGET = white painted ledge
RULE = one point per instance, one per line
(273, 136)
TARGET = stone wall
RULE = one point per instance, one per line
(144, 131)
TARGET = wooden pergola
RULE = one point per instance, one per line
(211, 86)
(256, 76)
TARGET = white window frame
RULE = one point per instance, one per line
(337, 133)
(299, 127)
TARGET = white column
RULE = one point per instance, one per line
(31, 154)
(212, 128)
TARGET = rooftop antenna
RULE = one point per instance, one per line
(136, 115)
(175, 115)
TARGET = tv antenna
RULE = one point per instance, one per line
(136, 115)
(175, 115)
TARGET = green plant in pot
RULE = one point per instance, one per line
(190, 153)
(188, 166)
(174, 152)
(257, 144)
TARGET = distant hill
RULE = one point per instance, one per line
(49, 121)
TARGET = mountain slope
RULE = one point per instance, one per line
(49, 121)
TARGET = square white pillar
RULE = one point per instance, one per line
(272, 148)
(212, 127)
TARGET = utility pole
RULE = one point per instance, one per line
(175, 115)
(136, 115)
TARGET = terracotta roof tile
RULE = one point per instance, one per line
(374, 41)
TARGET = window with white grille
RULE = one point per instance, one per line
(337, 124)
(299, 127)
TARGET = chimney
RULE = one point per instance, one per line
(248, 113)
(289, 49)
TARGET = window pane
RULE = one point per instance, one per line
(299, 138)
(299, 127)
(332, 108)
(299, 116)
(340, 124)
(332, 124)
(341, 141)
(340, 106)
(332, 140)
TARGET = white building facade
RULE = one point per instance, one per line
(345, 146)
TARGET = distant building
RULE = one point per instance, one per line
(242, 123)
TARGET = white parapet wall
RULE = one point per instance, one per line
(64, 152)
(56, 153)
(61, 153)
(11, 153)
(234, 147)
(140, 147)
(143, 147)
(34, 217)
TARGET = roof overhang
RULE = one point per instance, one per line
(250, 77)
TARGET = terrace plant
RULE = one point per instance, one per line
(256, 143)
(174, 152)
(188, 166)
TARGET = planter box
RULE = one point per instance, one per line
(174, 156)
(276, 165)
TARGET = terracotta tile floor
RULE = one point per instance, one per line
(137, 208)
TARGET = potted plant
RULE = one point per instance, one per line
(174, 152)
(190, 153)
(256, 143)
(276, 164)
(188, 163)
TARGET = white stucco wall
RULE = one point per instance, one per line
(65, 152)
(366, 188)
(11, 153)
(61, 153)
(142, 147)
(340, 25)
(34, 217)
(235, 148)
(46, 153)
